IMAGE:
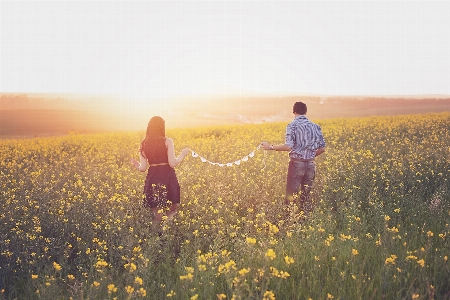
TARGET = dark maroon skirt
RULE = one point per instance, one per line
(161, 187)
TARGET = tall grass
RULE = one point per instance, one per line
(72, 223)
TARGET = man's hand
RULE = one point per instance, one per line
(320, 151)
(265, 145)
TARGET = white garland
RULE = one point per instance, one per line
(229, 164)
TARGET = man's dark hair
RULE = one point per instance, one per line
(300, 108)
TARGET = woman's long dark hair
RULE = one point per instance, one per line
(156, 130)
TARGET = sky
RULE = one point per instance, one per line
(163, 49)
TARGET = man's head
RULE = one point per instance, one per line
(299, 108)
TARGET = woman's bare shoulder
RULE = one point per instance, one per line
(169, 141)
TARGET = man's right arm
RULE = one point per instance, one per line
(267, 146)
(320, 151)
(281, 148)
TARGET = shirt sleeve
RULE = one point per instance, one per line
(290, 136)
(322, 143)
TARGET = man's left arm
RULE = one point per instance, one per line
(322, 143)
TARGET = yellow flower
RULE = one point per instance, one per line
(355, 252)
(251, 240)
(195, 297)
(189, 276)
(288, 260)
(142, 292)
(391, 259)
(387, 218)
(129, 289)
(329, 239)
(71, 277)
(344, 237)
(221, 296)
(329, 296)
(415, 296)
(34, 276)
(101, 263)
(445, 258)
(273, 229)
(244, 271)
(138, 280)
(393, 229)
(56, 266)
(269, 295)
(132, 267)
(421, 262)
(274, 272)
(235, 281)
(96, 284)
(430, 234)
(112, 288)
(171, 294)
(271, 254)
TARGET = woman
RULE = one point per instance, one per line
(157, 152)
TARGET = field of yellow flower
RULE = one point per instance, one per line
(73, 227)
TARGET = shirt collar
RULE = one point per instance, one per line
(301, 117)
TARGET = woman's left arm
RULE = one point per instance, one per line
(173, 162)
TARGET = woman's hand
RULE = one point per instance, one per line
(135, 163)
(185, 152)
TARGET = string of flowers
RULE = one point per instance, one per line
(229, 164)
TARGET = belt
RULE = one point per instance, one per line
(302, 159)
(161, 164)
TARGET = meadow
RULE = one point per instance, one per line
(73, 227)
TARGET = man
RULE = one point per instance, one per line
(305, 141)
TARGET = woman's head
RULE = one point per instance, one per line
(156, 127)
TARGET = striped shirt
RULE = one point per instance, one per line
(304, 138)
